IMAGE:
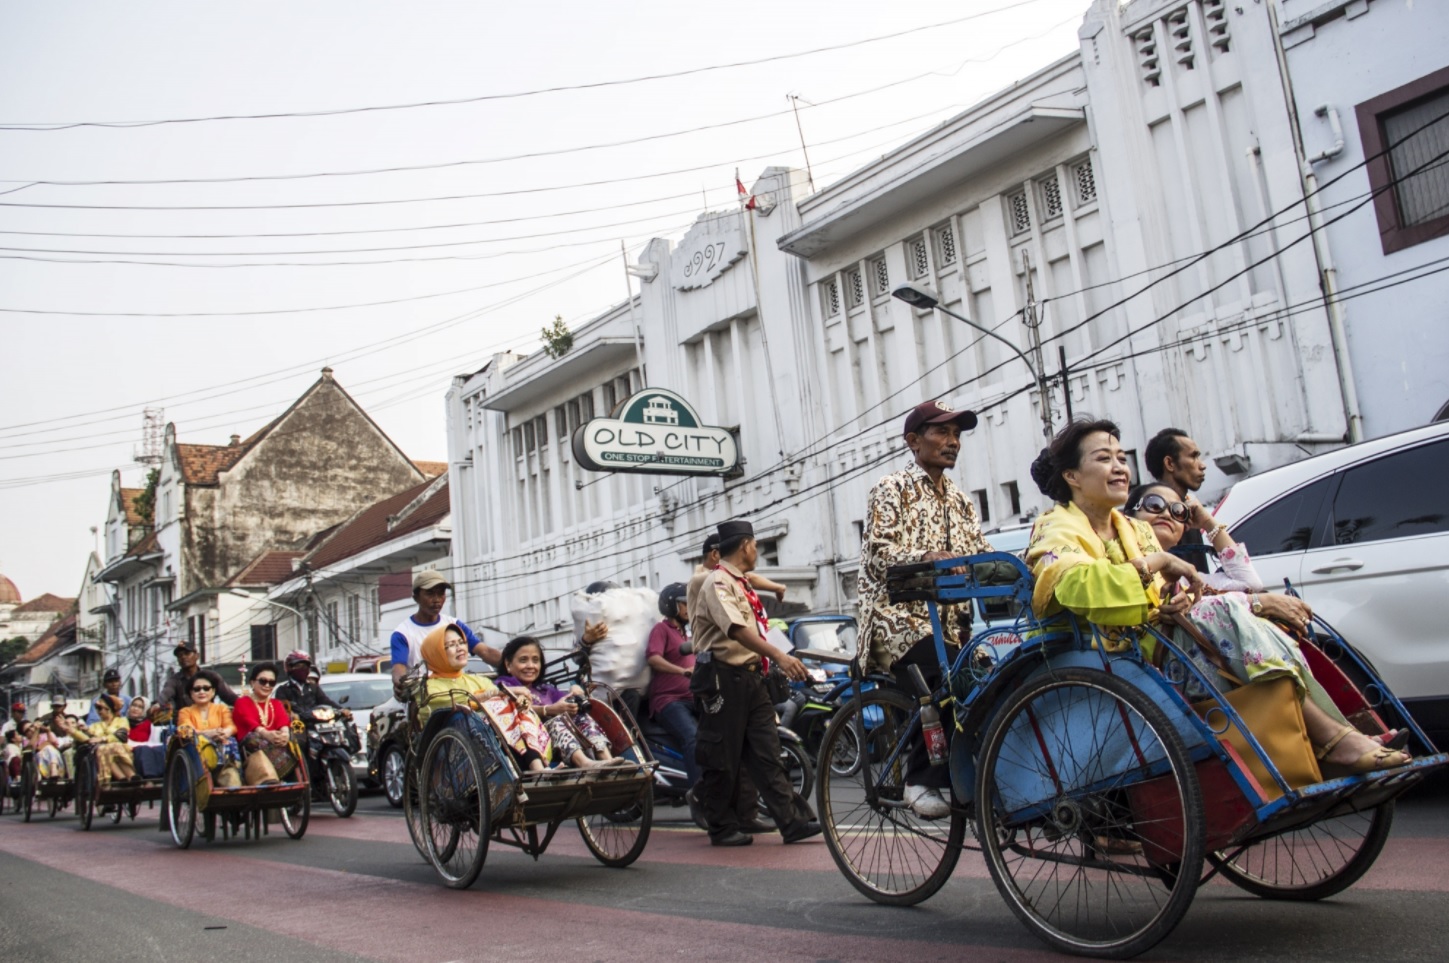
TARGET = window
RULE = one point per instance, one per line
(1285, 525)
(946, 244)
(1147, 61)
(529, 439)
(830, 297)
(518, 443)
(880, 278)
(983, 507)
(354, 617)
(1405, 135)
(769, 549)
(264, 643)
(854, 289)
(561, 421)
(1397, 496)
(1018, 213)
(1051, 197)
(919, 261)
(196, 634)
(609, 399)
(1013, 498)
(334, 627)
(1085, 181)
(586, 406)
(540, 430)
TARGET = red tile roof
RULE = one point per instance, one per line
(128, 502)
(54, 637)
(369, 527)
(45, 603)
(431, 469)
(202, 464)
(271, 567)
(145, 546)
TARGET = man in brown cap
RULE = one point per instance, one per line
(917, 514)
(176, 690)
(737, 725)
(430, 591)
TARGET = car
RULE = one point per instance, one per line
(1362, 533)
(361, 692)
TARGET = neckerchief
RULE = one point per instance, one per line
(761, 621)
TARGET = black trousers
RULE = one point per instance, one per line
(741, 734)
(919, 771)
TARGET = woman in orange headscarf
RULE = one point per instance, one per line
(445, 652)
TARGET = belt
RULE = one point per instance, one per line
(754, 667)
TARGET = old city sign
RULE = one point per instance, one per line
(655, 432)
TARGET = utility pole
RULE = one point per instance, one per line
(1033, 333)
(795, 106)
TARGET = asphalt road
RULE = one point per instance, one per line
(357, 890)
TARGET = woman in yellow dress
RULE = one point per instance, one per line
(1089, 558)
(445, 652)
(109, 736)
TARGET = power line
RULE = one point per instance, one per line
(483, 98)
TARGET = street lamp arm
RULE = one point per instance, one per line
(992, 334)
(280, 605)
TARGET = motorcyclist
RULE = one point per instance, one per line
(304, 696)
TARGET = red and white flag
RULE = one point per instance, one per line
(745, 195)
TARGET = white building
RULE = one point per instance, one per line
(1141, 202)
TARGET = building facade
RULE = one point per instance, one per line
(1140, 220)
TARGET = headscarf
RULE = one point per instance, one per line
(1063, 537)
(436, 656)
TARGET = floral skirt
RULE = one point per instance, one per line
(566, 734)
(50, 763)
(522, 728)
(1254, 648)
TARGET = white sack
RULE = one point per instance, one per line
(619, 659)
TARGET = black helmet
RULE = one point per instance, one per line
(597, 587)
(669, 598)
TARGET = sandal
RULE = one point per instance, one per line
(1380, 757)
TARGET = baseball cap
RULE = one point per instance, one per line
(183, 647)
(111, 675)
(17, 707)
(938, 413)
(429, 579)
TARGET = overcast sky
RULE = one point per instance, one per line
(535, 236)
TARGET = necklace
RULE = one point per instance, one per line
(264, 712)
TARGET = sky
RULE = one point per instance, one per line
(449, 177)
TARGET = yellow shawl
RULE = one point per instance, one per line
(1064, 537)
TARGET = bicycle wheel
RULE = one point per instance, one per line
(296, 816)
(28, 779)
(1313, 862)
(614, 840)
(413, 812)
(887, 852)
(454, 803)
(180, 799)
(394, 773)
(845, 756)
(798, 768)
(85, 799)
(1089, 814)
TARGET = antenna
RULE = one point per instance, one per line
(153, 427)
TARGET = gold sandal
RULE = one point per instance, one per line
(1380, 757)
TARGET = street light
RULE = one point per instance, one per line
(921, 296)
(266, 601)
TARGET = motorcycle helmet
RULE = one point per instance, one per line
(297, 657)
(596, 588)
(669, 598)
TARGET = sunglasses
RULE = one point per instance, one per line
(201, 688)
(264, 682)
(1155, 504)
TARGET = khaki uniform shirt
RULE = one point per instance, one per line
(907, 518)
(722, 604)
(691, 595)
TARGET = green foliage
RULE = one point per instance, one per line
(557, 338)
(146, 501)
(11, 649)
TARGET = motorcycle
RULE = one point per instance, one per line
(329, 747)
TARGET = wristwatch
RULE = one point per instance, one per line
(1257, 604)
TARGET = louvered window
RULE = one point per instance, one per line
(1147, 60)
(880, 279)
(830, 297)
(1018, 212)
(946, 244)
(1418, 138)
(1086, 182)
(1051, 197)
(1181, 37)
(920, 262)
(1215, 13)
(854, 289)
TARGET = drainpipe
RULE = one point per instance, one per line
(1327, 273)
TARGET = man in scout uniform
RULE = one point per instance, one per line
(737, 721)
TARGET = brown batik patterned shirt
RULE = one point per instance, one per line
(907, 517)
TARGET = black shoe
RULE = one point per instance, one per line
(696, 812)
(733, 838)
(756, 826)
(802, 831)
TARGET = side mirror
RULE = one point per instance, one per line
(345, 699)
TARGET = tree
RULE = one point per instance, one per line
(11, 649)
(557, 338)
(146, 501)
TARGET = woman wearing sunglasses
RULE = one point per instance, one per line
(215, 732)
(264, 728)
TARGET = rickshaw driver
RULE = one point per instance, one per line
(111, 683)
(917, 514)
(176, 690)
(430, 591)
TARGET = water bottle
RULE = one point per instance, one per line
(931, 731)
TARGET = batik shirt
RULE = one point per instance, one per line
(907, 517)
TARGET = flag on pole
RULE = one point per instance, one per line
(745, 195)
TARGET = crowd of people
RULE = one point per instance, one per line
(1103, 552)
